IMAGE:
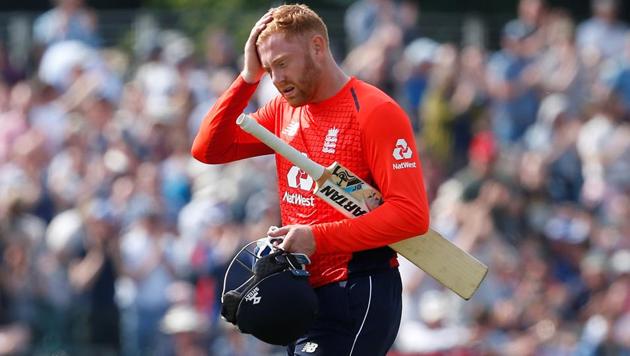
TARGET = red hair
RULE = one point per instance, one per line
(293, 20)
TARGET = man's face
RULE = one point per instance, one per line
(291, 65)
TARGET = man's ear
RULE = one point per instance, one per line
(318, 45)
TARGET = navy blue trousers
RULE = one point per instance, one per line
(357, 317)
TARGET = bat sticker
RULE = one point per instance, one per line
(353, 188)
(345, 179)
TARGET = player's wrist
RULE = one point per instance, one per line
(318, 238)
(250, 78)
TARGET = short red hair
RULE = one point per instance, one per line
(293, 20)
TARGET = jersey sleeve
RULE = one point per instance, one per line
(219, 139)
(390, 151)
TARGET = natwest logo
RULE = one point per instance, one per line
(298, 199)
(403, 165)
(402, 150)
(297, 178)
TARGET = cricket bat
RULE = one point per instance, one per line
(448, 264)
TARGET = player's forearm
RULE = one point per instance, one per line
(218, 133)
(395, 220)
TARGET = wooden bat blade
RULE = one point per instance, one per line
(444, 261)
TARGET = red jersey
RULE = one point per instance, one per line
(360, 127)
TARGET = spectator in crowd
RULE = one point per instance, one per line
(559, 67)
(147, 259)
(470, 96)
(184, 325)
(412, 75)
(364, 16)
(92, 273)
(437, 111)
(513, 100)
(373, 59)
(603, 31)
(532, 15)
(67, 20)
(407, 17)
(14, 116)
(432, 333)
(220, 50)
(615, 78)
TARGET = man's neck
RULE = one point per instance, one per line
(333, 79)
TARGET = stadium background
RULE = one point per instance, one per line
(113, 241)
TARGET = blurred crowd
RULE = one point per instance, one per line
(113, 240)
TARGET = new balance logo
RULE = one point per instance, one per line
(309, 347)
(252, 296)
(402, 150)
(291, 129)
(330, 142)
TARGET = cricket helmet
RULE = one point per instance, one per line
(276, 304)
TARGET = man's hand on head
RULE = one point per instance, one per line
(296, 238)
(252, 68)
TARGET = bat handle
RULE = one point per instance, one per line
(296, 157)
